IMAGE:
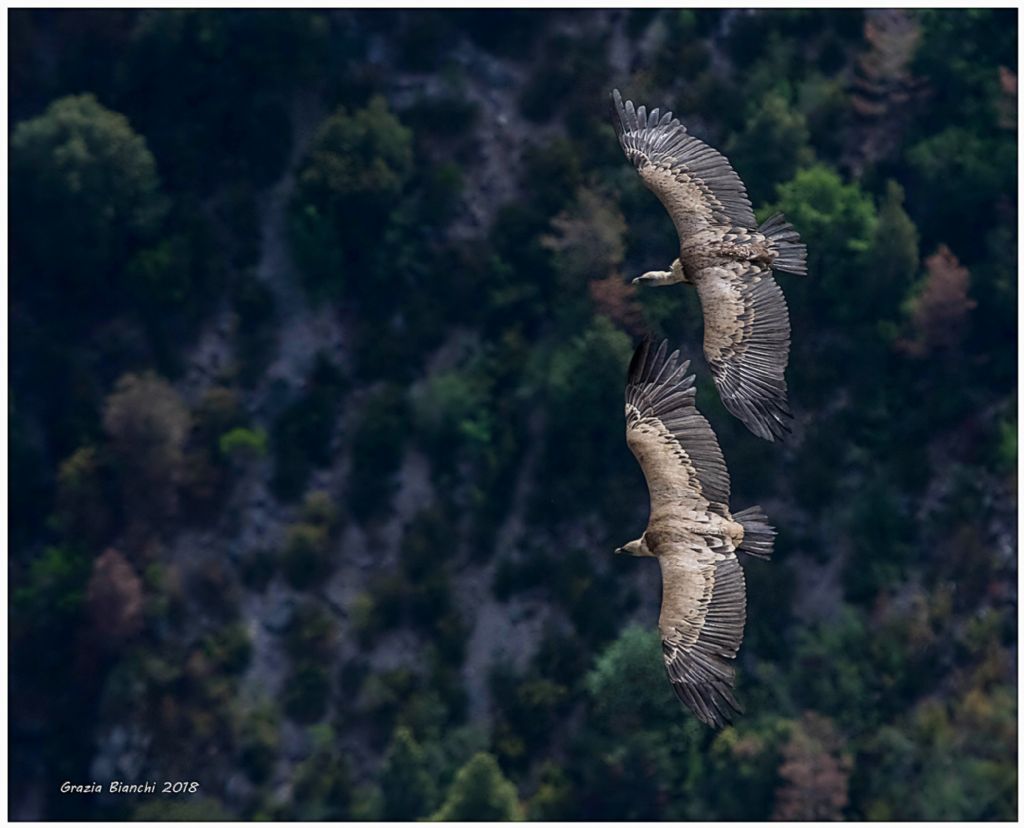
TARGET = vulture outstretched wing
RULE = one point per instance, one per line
(703, 606)
(703, 610)
(746, 343)
(694, 182)
(671, 440)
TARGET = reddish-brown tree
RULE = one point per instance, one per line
(882, 86)
(114, 598)
(939, 306)
(616, 299)
(815, 772)
(588, 241)
(147, 423)
(1007, 106)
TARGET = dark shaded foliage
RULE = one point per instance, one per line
(424, 553)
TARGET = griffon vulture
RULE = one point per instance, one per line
(691, 532)
(727, 257)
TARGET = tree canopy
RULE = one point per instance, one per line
(319, 324)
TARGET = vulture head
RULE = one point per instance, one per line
(636, 547)
(672, 276)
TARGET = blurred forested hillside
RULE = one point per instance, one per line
(319, 322)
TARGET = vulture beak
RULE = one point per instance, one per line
(620, 551)
(656, 276)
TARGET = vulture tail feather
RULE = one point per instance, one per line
(758, 533)
(785, 241)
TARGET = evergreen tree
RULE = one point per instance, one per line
(88, 194)
(406, 785)
(480, 793)
(894, 257)
(837, 222)
(628, 685)
(347, 189)
(773, 145)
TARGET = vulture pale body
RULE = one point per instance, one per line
(691, 532)
(727, 257)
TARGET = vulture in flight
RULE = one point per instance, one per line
(691, 532)
(727, 257)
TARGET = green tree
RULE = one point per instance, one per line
(51, 592)
(357, 161)
(406, 781)
(453, 411)
(1006, 445)
(748, 754)
(307, 555)
(229, 648)
(257, 329)
(258, 738)
(894, 257)
(350, 183)
(773, 145)
(206, 477)
(323, 782)
(960, 53)
(210, 87)
(480, 792)
(308, 640)
(307, 690)
(554, 797)
(377, 447)
(218, 412)
(311, 633)
(837, 223)
(301, 435)
(569, 78)
(582, 386)
(82, 505)
(242, 444)
(528, 708)
(319, 508)
(639, 744)
(627, 685)
(88, 194)
(959, 175)
(182, 271)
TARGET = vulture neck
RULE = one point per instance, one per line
(638, 548)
